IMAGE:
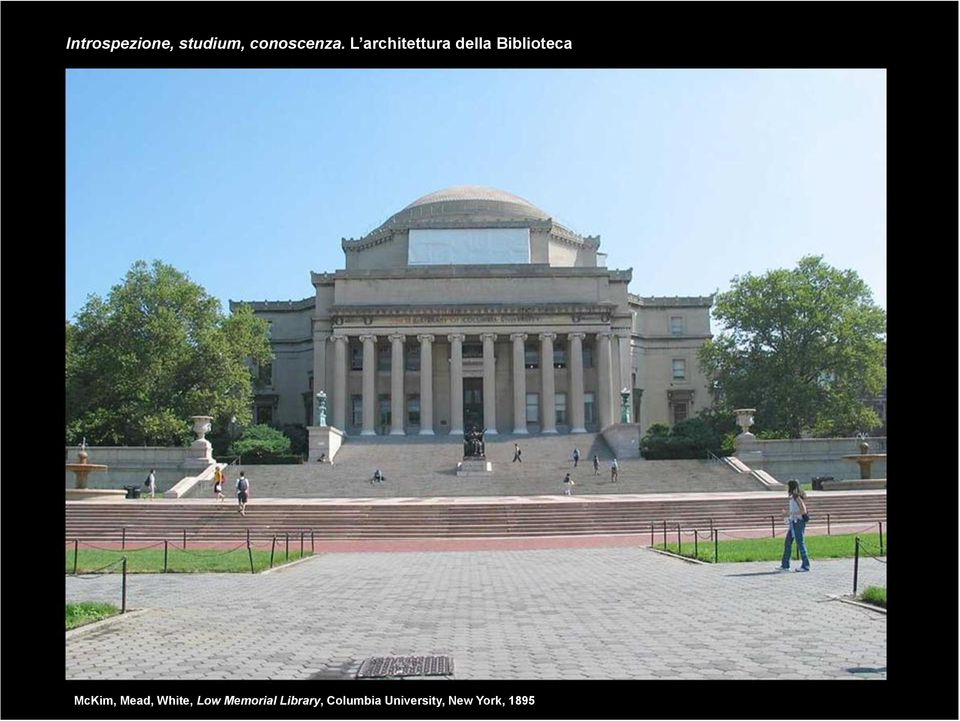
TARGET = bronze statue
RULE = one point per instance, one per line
(473, 445)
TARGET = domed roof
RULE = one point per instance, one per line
(467, 193)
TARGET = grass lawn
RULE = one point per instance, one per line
(150, 560)
(79, 614)
(771, 549)
(875, 595)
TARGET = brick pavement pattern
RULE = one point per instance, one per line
(575, 613)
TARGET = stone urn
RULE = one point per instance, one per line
(745, 420)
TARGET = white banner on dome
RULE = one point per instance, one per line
(469, 246)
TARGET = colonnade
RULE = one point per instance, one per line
(609, 362)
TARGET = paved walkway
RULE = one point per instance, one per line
(600, 613)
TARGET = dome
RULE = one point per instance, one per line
(464, 206)
(465, 193)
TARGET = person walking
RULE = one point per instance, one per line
(243, 493)
(378, 476)
(568, 485)
(516, 453)
(596, 465)
(151, 482)
(614, 471)
(576, 457)
(218, 484)
(796, 525)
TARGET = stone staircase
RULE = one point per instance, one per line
(423, 466)
(204, 521)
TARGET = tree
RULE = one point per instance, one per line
(259, 441)
(805, 347)
(155, 352)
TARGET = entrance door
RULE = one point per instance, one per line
(472, 403)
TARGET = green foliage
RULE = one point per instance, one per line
(297, 433)
(155, 352)
(690, 438)
(259, 442)
(804, 347)
(79, 614)
(876, 595)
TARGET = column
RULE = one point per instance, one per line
(426, 384)
(369, 384)
(626, 375)
(489, 384)
(340, 382)
(575, 351)
(319, 368)
(519, 384)
(615, 385)
(603, 374)
(396, 384)
(548, 400)
(456, 383)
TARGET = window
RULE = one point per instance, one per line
(473, 350)
(531, 355)
(356, 404)
(587, 356)
(676, 325)
(265, 374)
(356, 358)
(413, 410)
(679, 369)
(679, 411)
(560, 403)
(385, 417)
(533, 407)
(559, 355)
(412, 359)
(383, 358)
(264, 415)
(589, 409)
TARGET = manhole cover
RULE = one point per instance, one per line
(396, 666)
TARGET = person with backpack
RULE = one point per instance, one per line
(151, 482)
(243, 493)
(576, 457)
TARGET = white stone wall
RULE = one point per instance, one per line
(805, 458)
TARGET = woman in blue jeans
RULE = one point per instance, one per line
(796, 511)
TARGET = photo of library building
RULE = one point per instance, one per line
(472, 307)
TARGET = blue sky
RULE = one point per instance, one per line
(248, 179)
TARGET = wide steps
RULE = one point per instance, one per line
(90, 521)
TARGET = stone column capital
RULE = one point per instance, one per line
(488, 336)
(518, 336)
(342, 337)
(608, 334)
(426, 338)
(548, 336)
(456, 337)
(578, 336)
(397, 337)
(368, 337)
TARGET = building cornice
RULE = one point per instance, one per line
(275, 305)
(511, 270)
(696, 301)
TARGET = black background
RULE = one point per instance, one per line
(916, 43)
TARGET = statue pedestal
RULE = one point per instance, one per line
(474, 467)
(325, 440)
